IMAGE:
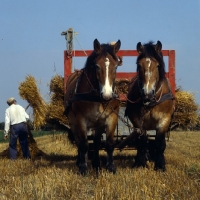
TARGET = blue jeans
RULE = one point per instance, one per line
(19, 131)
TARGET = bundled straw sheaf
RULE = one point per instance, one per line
(57, 86)
(186, 111)
(28, 90)
(56, 105)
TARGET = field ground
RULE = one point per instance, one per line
(54, 176)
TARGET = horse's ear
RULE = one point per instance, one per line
(117, 46)
(158, 46)
(140, 47)
(97, 46)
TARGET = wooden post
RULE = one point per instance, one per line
(172, 71)
(67, 67)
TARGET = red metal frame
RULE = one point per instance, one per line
(121, 75)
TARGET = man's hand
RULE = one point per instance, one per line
(5, 137)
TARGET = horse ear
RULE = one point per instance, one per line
(140, 47)
(158, 46)
(117, 46)
(97, 46)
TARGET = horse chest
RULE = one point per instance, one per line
(92, 111)
(150, 119)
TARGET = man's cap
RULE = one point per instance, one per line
(11, 100)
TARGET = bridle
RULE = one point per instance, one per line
(140, 86)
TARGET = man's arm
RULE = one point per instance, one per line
(7, 124)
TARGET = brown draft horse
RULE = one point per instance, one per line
(91, 103)
(150, 104)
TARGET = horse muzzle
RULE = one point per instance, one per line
(147, 98)
(109, 97)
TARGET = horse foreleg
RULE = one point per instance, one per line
(82, 155)
(151, 150)
(141, 157)
(160, 145)
(109, 149)
(97, 141)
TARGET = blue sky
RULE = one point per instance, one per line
(31, 41)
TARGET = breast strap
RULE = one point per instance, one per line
(168, 96)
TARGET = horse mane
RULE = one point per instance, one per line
(150, 52)
(105, 48)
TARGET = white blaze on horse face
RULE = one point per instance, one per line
(107, 88)
(148, 87)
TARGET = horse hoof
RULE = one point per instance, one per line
(82, 170)
(111, 168)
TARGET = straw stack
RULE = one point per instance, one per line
(28, 91)
(186, 113)
(56, 105)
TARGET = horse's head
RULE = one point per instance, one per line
(106, 63)
(150, 68)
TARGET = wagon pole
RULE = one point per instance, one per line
(133, 135)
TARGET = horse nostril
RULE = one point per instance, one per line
(146, 97)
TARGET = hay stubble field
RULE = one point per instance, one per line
(54, 176)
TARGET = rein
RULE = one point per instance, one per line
(160, 93)
(125, 96)
(88, 80)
